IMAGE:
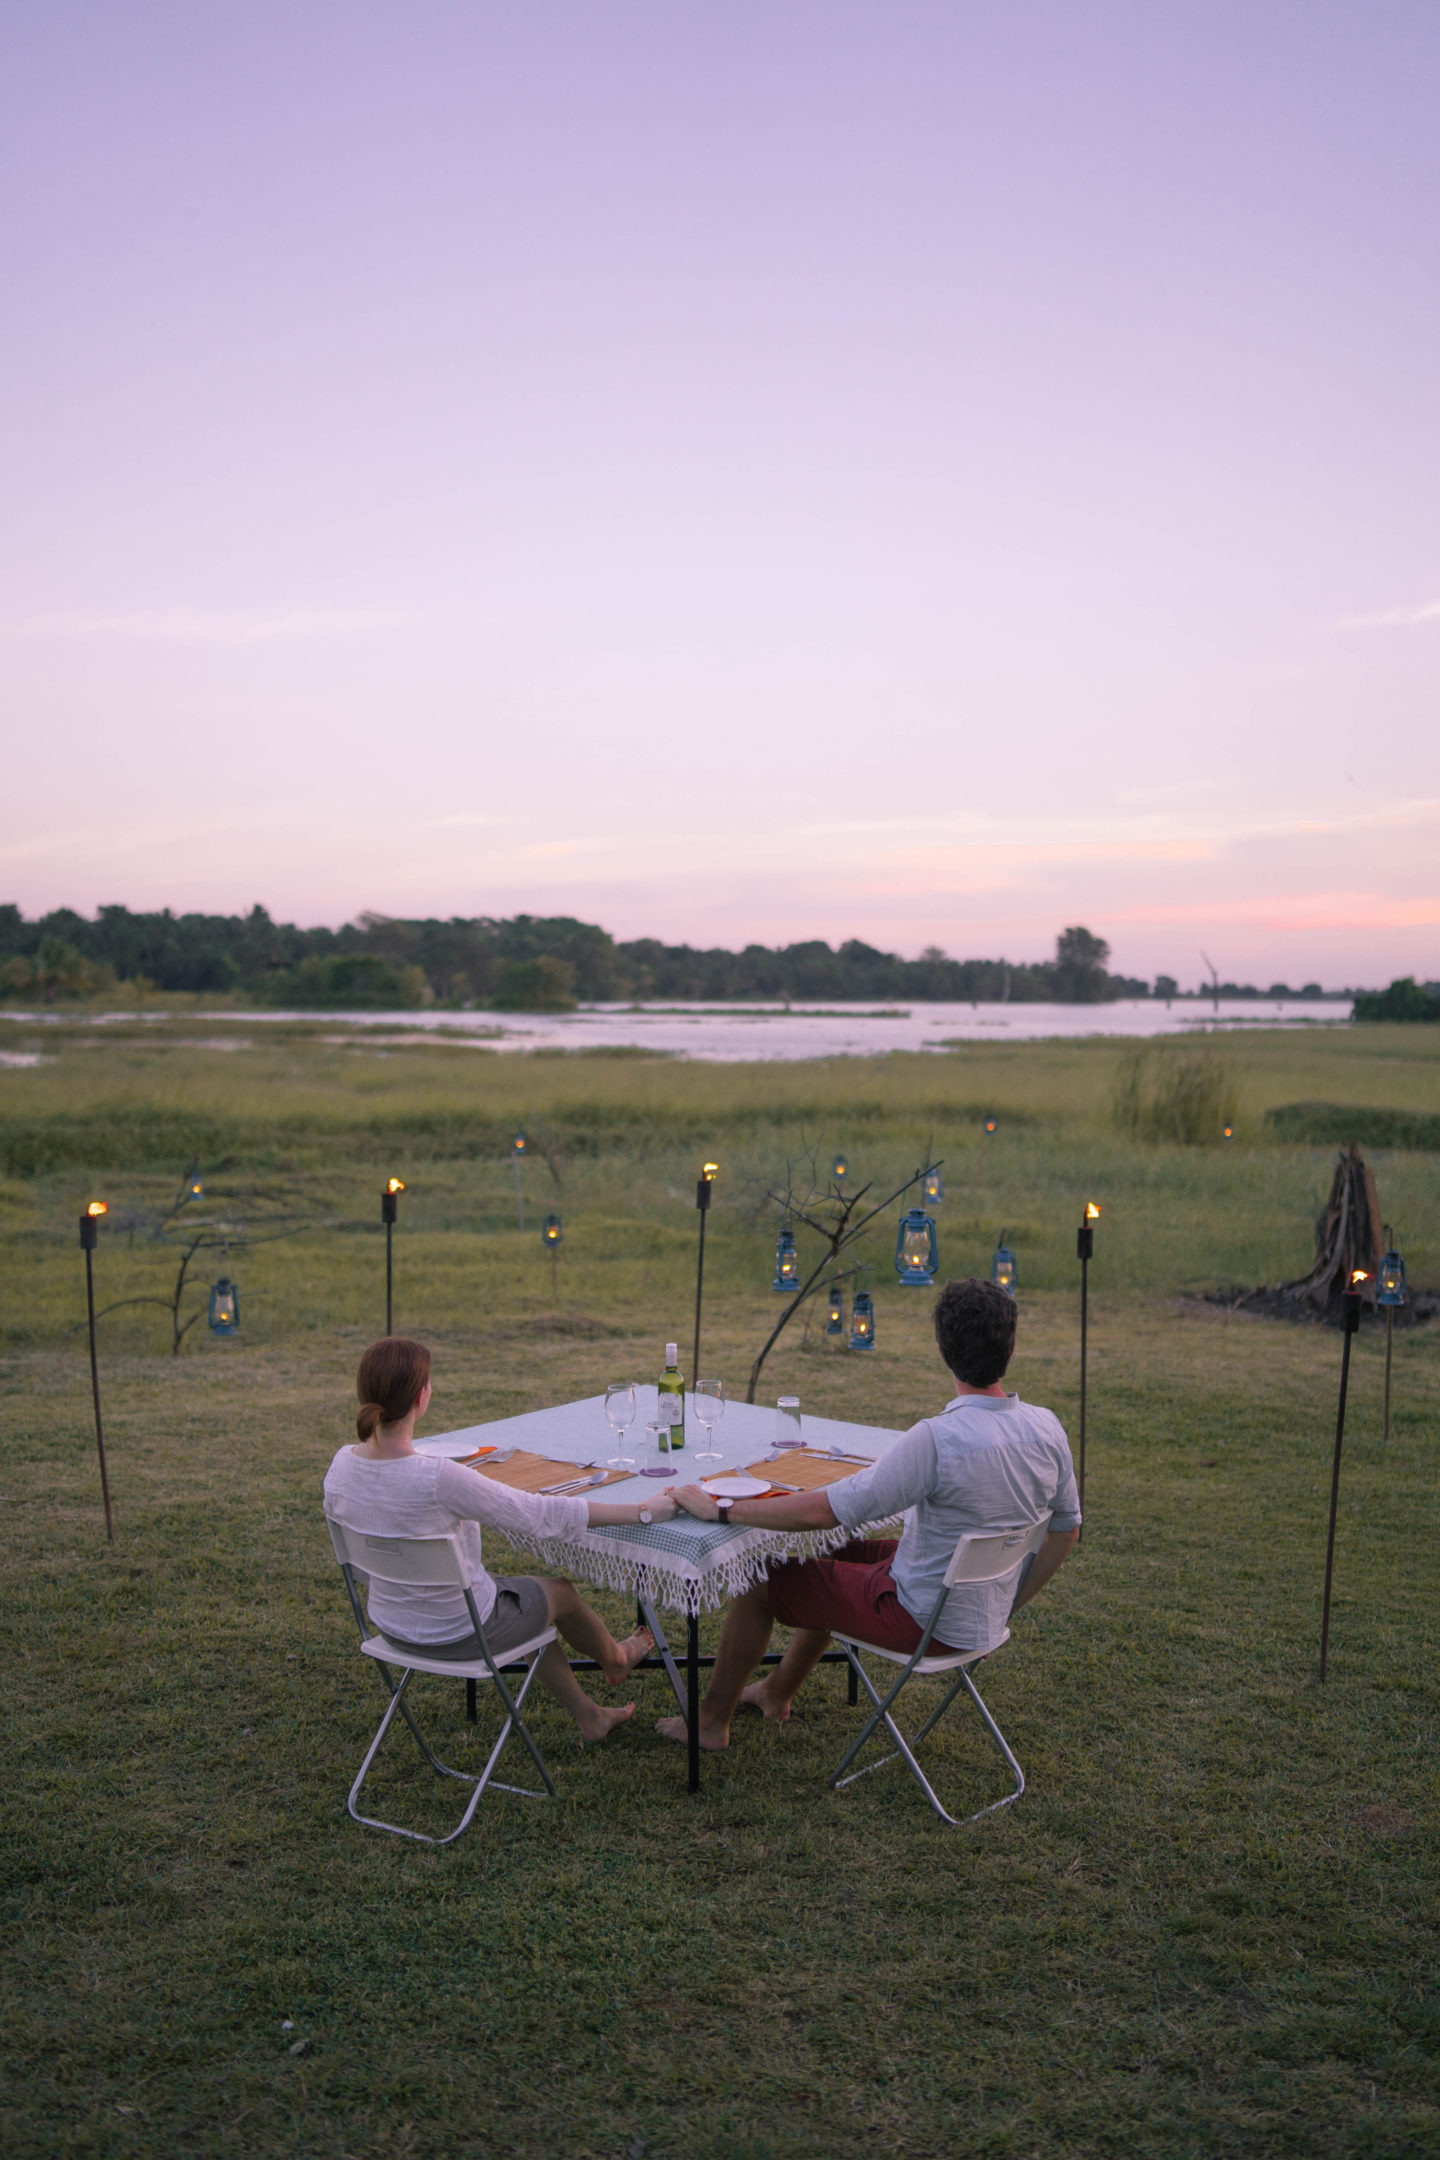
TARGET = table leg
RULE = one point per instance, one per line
(651, 1619)
(692, 1697)
(470, 1704)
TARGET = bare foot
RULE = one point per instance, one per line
(634, 1647)
(715, 1740)
(600, 1719)
(761, 1696)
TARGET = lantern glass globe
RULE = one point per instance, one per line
(917, 1253)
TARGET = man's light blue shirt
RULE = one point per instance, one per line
(987, 1462)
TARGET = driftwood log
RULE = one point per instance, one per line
(1348, 1235)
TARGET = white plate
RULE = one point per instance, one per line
(734, 1488)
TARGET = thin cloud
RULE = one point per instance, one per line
(1393, 618)
(194, 626)
(1292, 911)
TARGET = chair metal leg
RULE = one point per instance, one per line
(857, 1671)
(881, 1715)
(513, 1722)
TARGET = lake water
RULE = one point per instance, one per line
(760, 1033)
(755, 1033)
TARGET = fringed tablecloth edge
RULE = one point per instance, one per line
(610, 1564)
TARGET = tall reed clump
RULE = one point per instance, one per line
(1187, 1096)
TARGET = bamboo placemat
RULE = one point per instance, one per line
(525, 1472)
(812, 1473)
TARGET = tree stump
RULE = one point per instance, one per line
(1348, 1235)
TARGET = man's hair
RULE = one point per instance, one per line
(975, 1328)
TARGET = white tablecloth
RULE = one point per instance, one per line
(687, 1565)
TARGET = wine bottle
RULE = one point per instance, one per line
(670, 1408)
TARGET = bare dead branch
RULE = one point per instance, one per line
(839, 1228)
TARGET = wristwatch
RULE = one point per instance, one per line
(645, 1515)
(722, 1509)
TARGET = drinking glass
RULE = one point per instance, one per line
(709, 1405)
(659, 1461)
(787, 1423)
(620, 1409)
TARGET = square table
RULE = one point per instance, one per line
(686, 1565)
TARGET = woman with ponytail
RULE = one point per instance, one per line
(381, 1487)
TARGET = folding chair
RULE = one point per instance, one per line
(977, 1558)
(432, 1563)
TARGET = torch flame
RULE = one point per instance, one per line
(1092, 1211)
(98, 1207)
(710, 1171)
(1359, 1275)
(395, 1184)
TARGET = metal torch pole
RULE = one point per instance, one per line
(1084, 1247)
(87, 1240)
(519, 1195)
(1351, 1307)
(702, 1202)
(389, 1209)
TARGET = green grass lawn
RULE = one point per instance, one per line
(1210, 1925)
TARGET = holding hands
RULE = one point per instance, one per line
(695, 1501)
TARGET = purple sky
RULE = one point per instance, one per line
(929, 473)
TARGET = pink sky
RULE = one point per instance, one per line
(928, 473)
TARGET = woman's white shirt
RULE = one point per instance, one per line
(431, 1496)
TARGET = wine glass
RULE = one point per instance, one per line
(709, 1406)
(620, 1409)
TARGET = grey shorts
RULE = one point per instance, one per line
(521, 1612)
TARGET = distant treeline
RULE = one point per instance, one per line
(526, 962)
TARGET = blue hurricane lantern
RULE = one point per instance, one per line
(518, 1145)
(990, 1121)
(933, 1187)
(1390, 1289)
(917, 1255)
(835, 1310)
(862, 1321)
(840, 1169)
(224, 1307)
(787, 1262)
(552, 1230)
(1002, 1266)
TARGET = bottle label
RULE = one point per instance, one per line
(669, 1410)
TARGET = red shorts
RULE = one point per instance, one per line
(849, 1593)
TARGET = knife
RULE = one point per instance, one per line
(573, 1485)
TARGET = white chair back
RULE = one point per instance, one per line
(422, 1563)
(984, 1556)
